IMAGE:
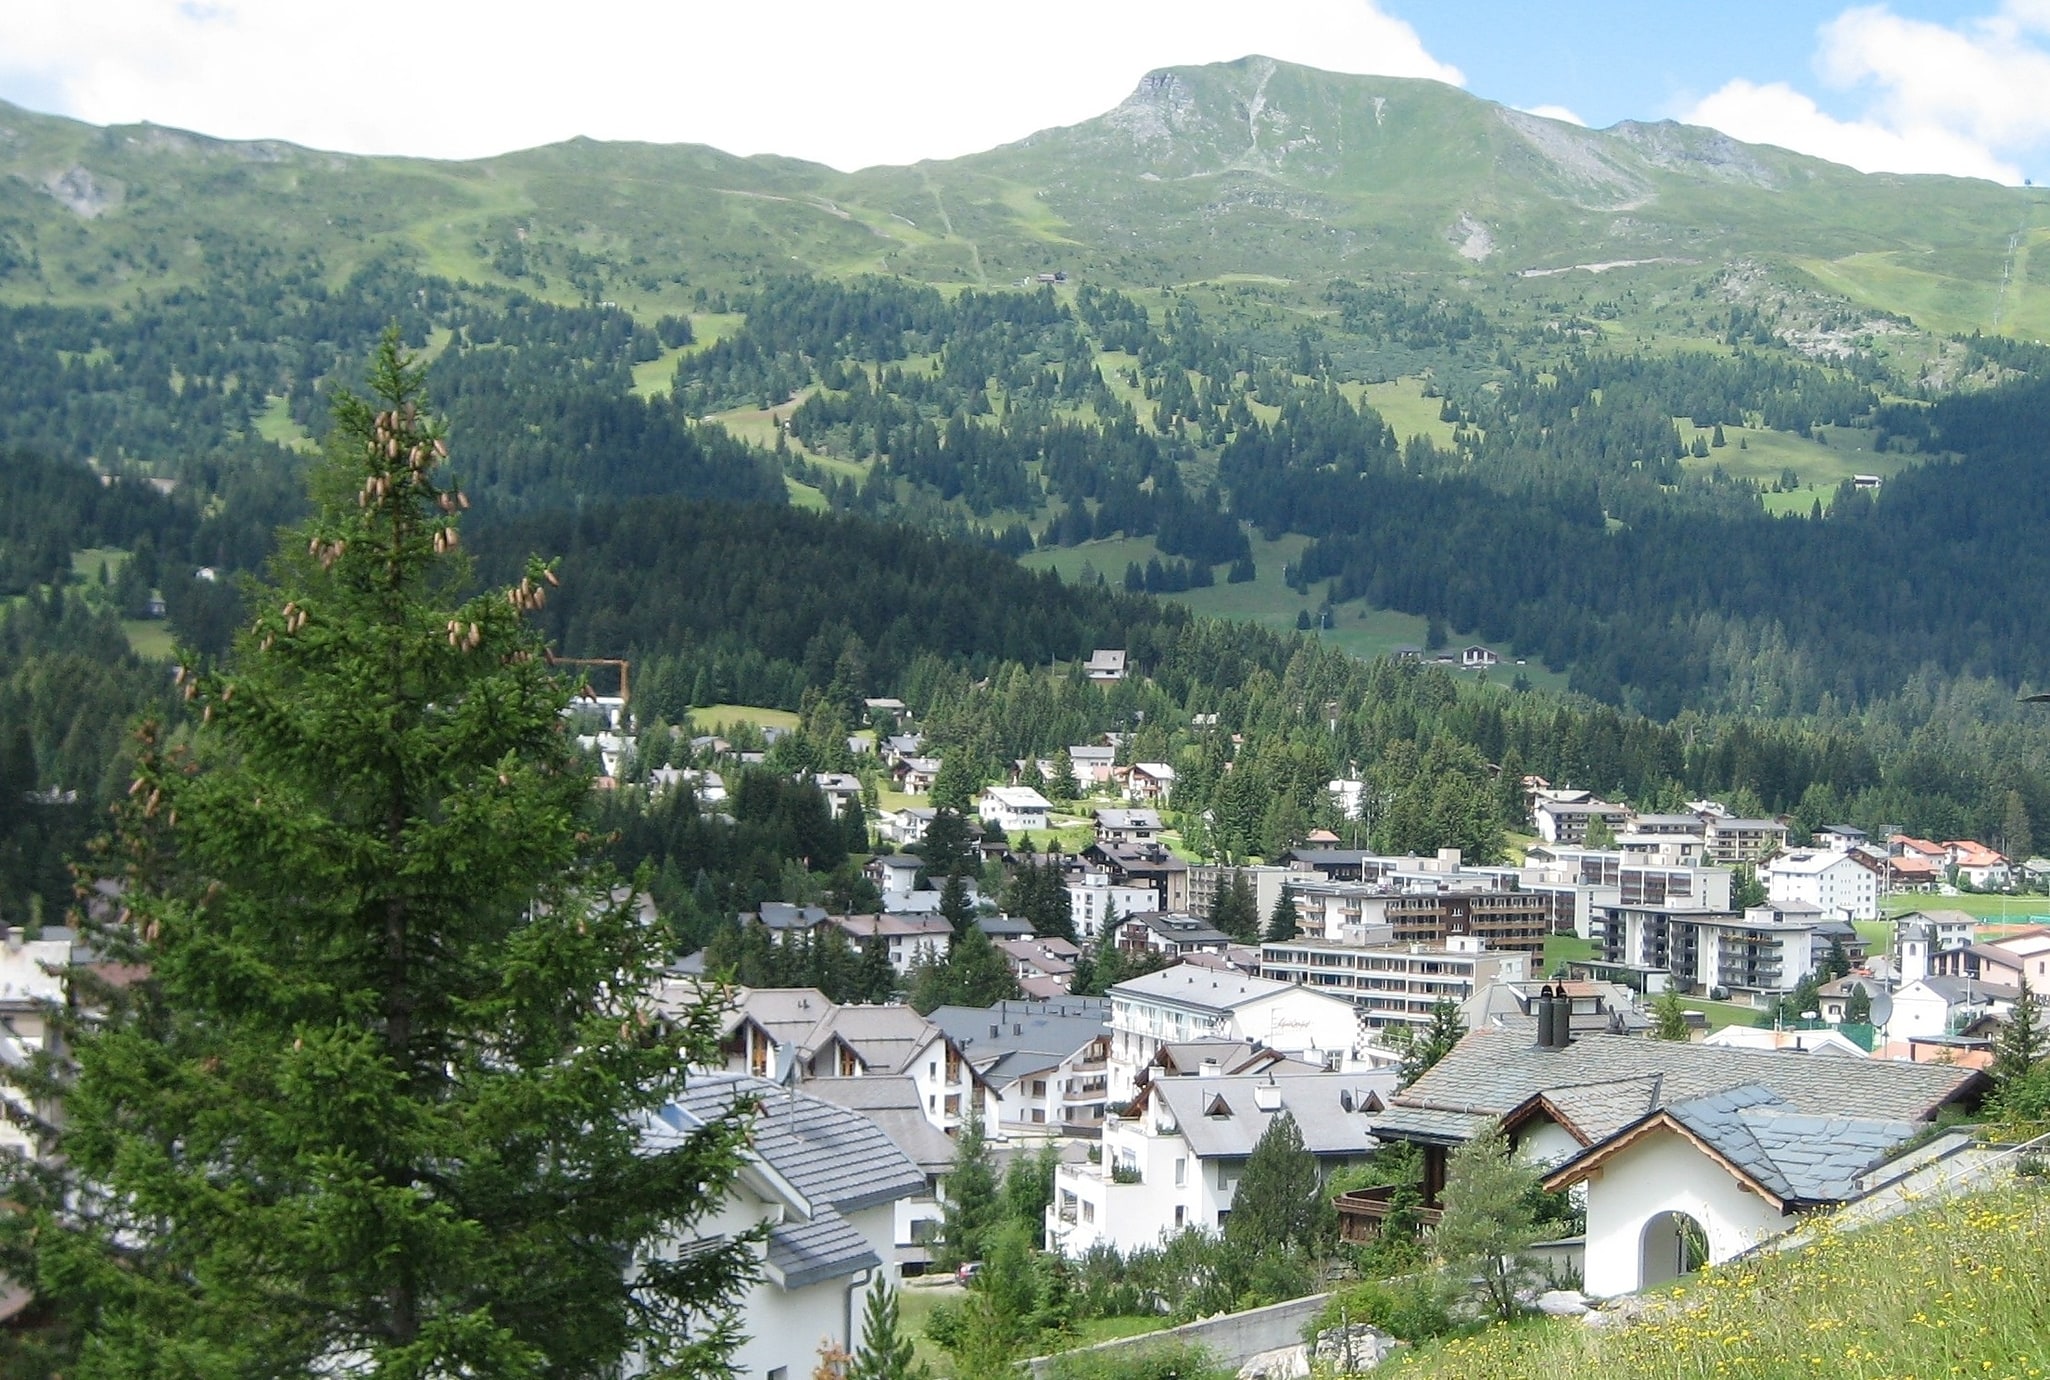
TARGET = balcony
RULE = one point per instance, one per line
(1361, 1211)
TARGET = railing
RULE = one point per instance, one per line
(1361, 1211)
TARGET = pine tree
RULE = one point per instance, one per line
(1858, 1007)
(1235, 912)
(973, 1208)
(955, 905)
(1282, 920)
(377, 1107)
(1280, 1203)
(1432, 1042)
(886, 1351)
(1670, 1017)
(876, 980)
(1487, 1220)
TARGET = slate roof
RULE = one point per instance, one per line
(892, 1103)
(1047, 1031)
(1489, 1073)
(1599, 1110)
(1201, 989)
(1797, 1158)
(836, 1160)
(1313, 1099)
(833, 1156)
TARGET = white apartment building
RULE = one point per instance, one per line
(1012, 808)
(1837, 884)
(1175, 1161)
(1392, 985)
(1184, 1003)
(1092, 895)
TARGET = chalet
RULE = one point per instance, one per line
(1978, 866)
(905, 826)
(1105, 665)
(1127, 826)
(1012, 808)
(821, 1186)
(1175, 1158)
(915, 775)
(1148, 781)
(1839, 837)
(1171, 934)
(1478, 658)
(1044, 966)
(842, 792)
(893, 1105)
(1047, 1061)
(1092, 766)
(1148, 865)
(905, 938)
(1726, 1146)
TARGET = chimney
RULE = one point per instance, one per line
(1546, 1009)
(1267, 1096)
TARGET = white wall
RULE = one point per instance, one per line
(1664, 1173)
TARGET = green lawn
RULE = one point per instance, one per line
(275, 424)
(711, 716)
(1402, 404)
(1722, 1013)
(85, 563)
(1764, 456)
(1269, 601)
(150, 637)
(1561, 949)
(2016, 910)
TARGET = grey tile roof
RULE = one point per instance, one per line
(1599, 1110)
(826, 1247)
(833, 1156)
(893, 1105)
(1490, 1072)
(1313, 1099)
(1053, 1029)
(1429, 1126)
(1795, 1157)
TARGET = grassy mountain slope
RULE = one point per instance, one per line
(1245, 168)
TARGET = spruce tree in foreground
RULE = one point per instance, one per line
(379, 1106)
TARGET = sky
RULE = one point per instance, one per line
(1903, 86)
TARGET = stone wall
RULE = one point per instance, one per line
(1230, 1338)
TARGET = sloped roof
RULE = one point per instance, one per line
(892, 1103)
(1596, 1111)
(833, 1156)
(1793, 1157)
(1313, 1099)
(1489, 1073)
(885, 1038)
(827, 1247)
(786, 1013)
(1053, 1029)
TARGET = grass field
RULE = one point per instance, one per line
(1402, 404)
(2016, 910)
(1268, 600)
(1953, 1289)
(712, 715)
(276, 425)
(1764, 456)
(150, 638)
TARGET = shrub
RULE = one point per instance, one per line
(1414, 1308)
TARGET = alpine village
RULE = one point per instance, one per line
(1313, 725)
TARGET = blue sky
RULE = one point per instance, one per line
(1904, 85)
(1611, 61)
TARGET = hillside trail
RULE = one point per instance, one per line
(947, 224)
(2007, 269)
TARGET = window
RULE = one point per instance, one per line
(1039, 1087)
(1180, 1216)
(1181, 1176)
(780, 1373)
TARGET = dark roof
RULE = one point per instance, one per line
(833, 1156)
(1797, 1158)
(1490, 1073)
(1054, 1029)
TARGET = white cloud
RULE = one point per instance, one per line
(1779, 115)
(1968, 99)
(1555, 112)
(844, 84)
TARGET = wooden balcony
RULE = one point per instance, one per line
(1361, 1211)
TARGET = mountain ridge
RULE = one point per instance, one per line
(1248, 167)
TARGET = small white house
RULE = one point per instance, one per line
(1150, 781)
(824, 1182)
(1186, 1002)
(1175, 1159)
(1012, 808)
(1105, 665)
(1837, 884)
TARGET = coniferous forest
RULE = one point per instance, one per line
(1859, 661)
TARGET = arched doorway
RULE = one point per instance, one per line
(1673, 1244)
